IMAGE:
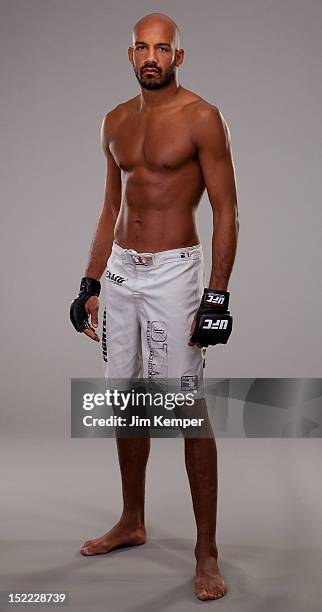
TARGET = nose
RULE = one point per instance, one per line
(150, 56)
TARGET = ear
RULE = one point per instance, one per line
(179, 57)
(130, 54)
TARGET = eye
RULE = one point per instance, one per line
(163, 48)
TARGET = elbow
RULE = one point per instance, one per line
(237, 221)
(227, 214)
(236, 215)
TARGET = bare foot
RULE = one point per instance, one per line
(209, 582)
(119, 535)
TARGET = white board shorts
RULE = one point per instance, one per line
(149, 301)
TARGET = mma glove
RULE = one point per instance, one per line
(78, 314)
(213, 319)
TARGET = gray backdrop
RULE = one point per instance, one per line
(63, 66)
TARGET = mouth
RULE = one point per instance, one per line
(150, 71)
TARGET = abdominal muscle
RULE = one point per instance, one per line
(152, 231)
(160, 216)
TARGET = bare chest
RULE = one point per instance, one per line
(156, 141)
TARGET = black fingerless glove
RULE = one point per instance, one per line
(213, 319)
(77, 312)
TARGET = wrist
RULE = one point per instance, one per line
(95, 275)
(90, 285)
(215, 298)
(219, 286)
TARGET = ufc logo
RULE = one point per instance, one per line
(215, 299)
(217, 324)
(114, 277)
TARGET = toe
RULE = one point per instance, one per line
(201, 592)
(90, 549)
(91, 542)
(221, 591)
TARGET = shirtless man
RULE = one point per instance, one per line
(163, 148)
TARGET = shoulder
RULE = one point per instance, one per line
(119, 112)
(113, 118)
(208, 124)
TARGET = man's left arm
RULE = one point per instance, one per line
(212, 139)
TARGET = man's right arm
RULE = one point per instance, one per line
(84, 308)
(101, 245)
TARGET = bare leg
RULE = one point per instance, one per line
(133, 455)
(201, 464)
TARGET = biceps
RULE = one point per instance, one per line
(112, 195)
(219, 177)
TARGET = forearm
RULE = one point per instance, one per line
(101, 246)
(224, 246)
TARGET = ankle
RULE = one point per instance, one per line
(206, 547)
(132, 521)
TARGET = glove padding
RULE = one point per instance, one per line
(77, 312)
(213, 319)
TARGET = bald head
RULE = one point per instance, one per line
(156, 54)
(160, 21)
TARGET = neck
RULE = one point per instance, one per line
(159, 97)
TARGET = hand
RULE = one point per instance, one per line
(212, 323)
(192, 328)
(92, 307)
(86, 304)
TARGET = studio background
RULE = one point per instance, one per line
(63, 66)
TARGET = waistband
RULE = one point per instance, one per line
(136, 258)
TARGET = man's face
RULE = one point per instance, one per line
(154, 49)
